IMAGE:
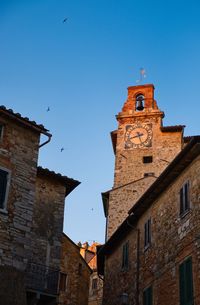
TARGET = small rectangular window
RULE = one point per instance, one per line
(147, 233)
(125, 255)
(149, 174)
(147, 159)
(148, 296)
(3, 188)
(63, 282)
(186, 282)
(184, 198)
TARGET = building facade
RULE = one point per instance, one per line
(153, 257)
(152, 254)
(31, 214)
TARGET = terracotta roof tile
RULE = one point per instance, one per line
(172, 128)
(23, 120)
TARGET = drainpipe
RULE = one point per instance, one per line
(48, 140)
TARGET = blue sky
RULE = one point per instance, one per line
(81, 69)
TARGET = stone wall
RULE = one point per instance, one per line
(48, 221)
(174, 238)
(18, 155)
(121, 200)
(77, 275)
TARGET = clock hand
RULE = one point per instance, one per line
(137, 136)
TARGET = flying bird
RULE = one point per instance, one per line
(48, 109)
(64, 20)
(62, 149)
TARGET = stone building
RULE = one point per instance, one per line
(31, 214)
(89, 254)
(75, 275)
(152, 251)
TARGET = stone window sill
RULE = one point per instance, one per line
(4, 211)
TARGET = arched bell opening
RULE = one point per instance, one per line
(139, 104)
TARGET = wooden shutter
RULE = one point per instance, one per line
(125, 257)
(148, 296)
(186, 282)
(187, 205)
(3, 184)
(181, 201)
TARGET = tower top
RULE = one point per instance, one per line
(140, 100)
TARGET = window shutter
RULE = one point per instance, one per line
(145, 234)
(149, 231)
(148, 296)
(182, 284)
(187, 196)
(181, 201)
(3, 184)
(189, 281)
(186, 282)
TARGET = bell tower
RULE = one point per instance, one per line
(143, 148)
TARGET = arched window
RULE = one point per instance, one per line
(139, 105)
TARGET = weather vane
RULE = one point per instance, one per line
(143, 75)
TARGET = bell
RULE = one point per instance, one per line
(140, 105)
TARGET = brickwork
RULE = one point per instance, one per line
(77, 275)
(148, 138)
(174, 238)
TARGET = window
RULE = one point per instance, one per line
(148, 296)
(94, 284)
(147, 159)
(149, 174)
(125, 256)
(79, 269)
(186, 282)
(63, 282)
(4, 176)
(184, 198)
(147, 233)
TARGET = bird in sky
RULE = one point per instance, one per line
(48, 109)
(64, 20)
(62, 149)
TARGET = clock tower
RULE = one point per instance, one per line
(143, 148)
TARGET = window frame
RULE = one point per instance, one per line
(184, 199)
(3, 207)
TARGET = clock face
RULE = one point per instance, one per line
(138, 136)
